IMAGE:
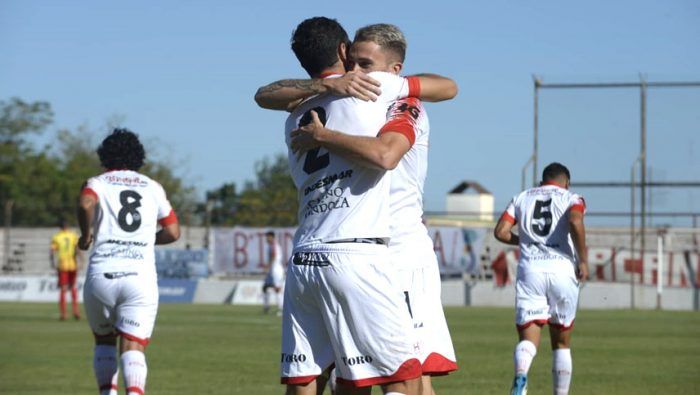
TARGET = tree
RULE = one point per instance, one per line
(44, 184)
(270, 200)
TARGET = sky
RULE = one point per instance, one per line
(182, 74)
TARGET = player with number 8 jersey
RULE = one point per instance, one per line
(120, 212)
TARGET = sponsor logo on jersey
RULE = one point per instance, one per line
(310, 259)
(327, 181)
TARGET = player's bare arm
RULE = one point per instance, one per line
(578, 236)
(503, 232)
(383, 152)
(168, 234)
(86, 213)
(287, 94)
(436, 88)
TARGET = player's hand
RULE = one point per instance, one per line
(582, 271)
(356, 84)
(308, 136)
(84, 242)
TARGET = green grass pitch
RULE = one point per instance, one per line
(223, 349)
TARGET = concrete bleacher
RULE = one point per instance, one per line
(29, 248)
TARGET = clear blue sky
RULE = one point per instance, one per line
(183, 75)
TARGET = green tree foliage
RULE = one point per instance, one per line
(44, 183)
(270, 200)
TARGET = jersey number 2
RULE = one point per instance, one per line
(130, 201)
(314, 162)
(542, 211)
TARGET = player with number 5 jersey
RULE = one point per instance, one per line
(553, 261)
(120, 213)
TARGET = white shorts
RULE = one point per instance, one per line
(343, 307)
(422, 287)
(545, 297)
(274, 278)
(122, 302)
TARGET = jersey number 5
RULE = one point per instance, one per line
(313, 161)
(130, 201)
(543, 212)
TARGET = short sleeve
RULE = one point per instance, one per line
(395, 87)
(403, 118)
(91, 188)
(509, 213)
(166, 214)
(578, 203)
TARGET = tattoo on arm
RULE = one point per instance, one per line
(312, 86)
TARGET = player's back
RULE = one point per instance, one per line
(339, 199)
(129, 206)
(408, 116)
(542, 214)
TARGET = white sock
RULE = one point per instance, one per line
(562, 368)
(525, 352)
(134, 370)
(266, 299)
(280, 299)
(394, 393)
(106, 367)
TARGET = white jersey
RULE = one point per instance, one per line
(542, 215)
(275, 251)
(339, 199)
(408, 117)
(130, 206)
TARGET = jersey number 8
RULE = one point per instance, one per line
(130, 201)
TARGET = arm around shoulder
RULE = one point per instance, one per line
(436, 88)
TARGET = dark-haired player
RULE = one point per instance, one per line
(119, 213)
(553, 261)
(343, 305)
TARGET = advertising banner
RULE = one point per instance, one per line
(243, 250)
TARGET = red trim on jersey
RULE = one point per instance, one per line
(143, 342)
(138, 390)
(562, 328)
(408, 370)
(89, 192)
(169, 220)
(529, 323)
(437, 365)
(579, 207)
(298, 380)
(413, 86)
(109, 386)
(329, 74)
(401, 126)
(508, 218)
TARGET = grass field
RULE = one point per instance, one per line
(207, 349)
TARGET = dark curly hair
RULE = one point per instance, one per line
(315, 43)
(121, 150)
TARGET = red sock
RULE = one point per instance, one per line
(74, 297)
(62, 303)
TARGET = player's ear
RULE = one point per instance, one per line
(343, 53)
(396, 67)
